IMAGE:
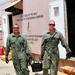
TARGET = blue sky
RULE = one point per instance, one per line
(1, 1)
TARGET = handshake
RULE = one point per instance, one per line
(68, 55)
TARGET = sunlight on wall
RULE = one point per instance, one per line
(2, 1)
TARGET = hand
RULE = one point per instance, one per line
(6, 60)
(29, 59)
(68, 55)
(41, 58)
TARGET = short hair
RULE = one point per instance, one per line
(16, 24)
(52, 20)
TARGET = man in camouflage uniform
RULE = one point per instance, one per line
(49, 49)
(20, 51)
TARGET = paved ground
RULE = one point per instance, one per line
(8, 69)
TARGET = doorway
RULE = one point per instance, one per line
(71, 24)
(10, 23)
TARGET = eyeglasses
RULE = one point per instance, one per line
(52, 24)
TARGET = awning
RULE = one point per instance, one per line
(15, 7)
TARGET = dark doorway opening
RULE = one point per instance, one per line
(10, 24)
(71, 24)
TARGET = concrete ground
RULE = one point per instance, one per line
(8, 69)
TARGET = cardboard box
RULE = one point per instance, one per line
(68, 70)
(64, 62)
(2, 57)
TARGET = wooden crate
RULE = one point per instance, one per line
(68, 69)
(2, 57)
(64, 62)
(61, 73)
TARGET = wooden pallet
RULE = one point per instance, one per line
(68, 69)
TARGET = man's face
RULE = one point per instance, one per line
(16, 29)
(51, 25)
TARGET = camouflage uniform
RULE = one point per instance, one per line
(20, 51)
(50, 51)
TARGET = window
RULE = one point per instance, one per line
(56, 11)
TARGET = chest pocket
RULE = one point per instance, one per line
(12, 44)
(21, 42)
(52, 41)
(55, 40)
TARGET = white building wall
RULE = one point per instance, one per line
(35, 22)
(5, 27)
(36, 26)
(40, 25)
(56, 9)
(5, 20)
